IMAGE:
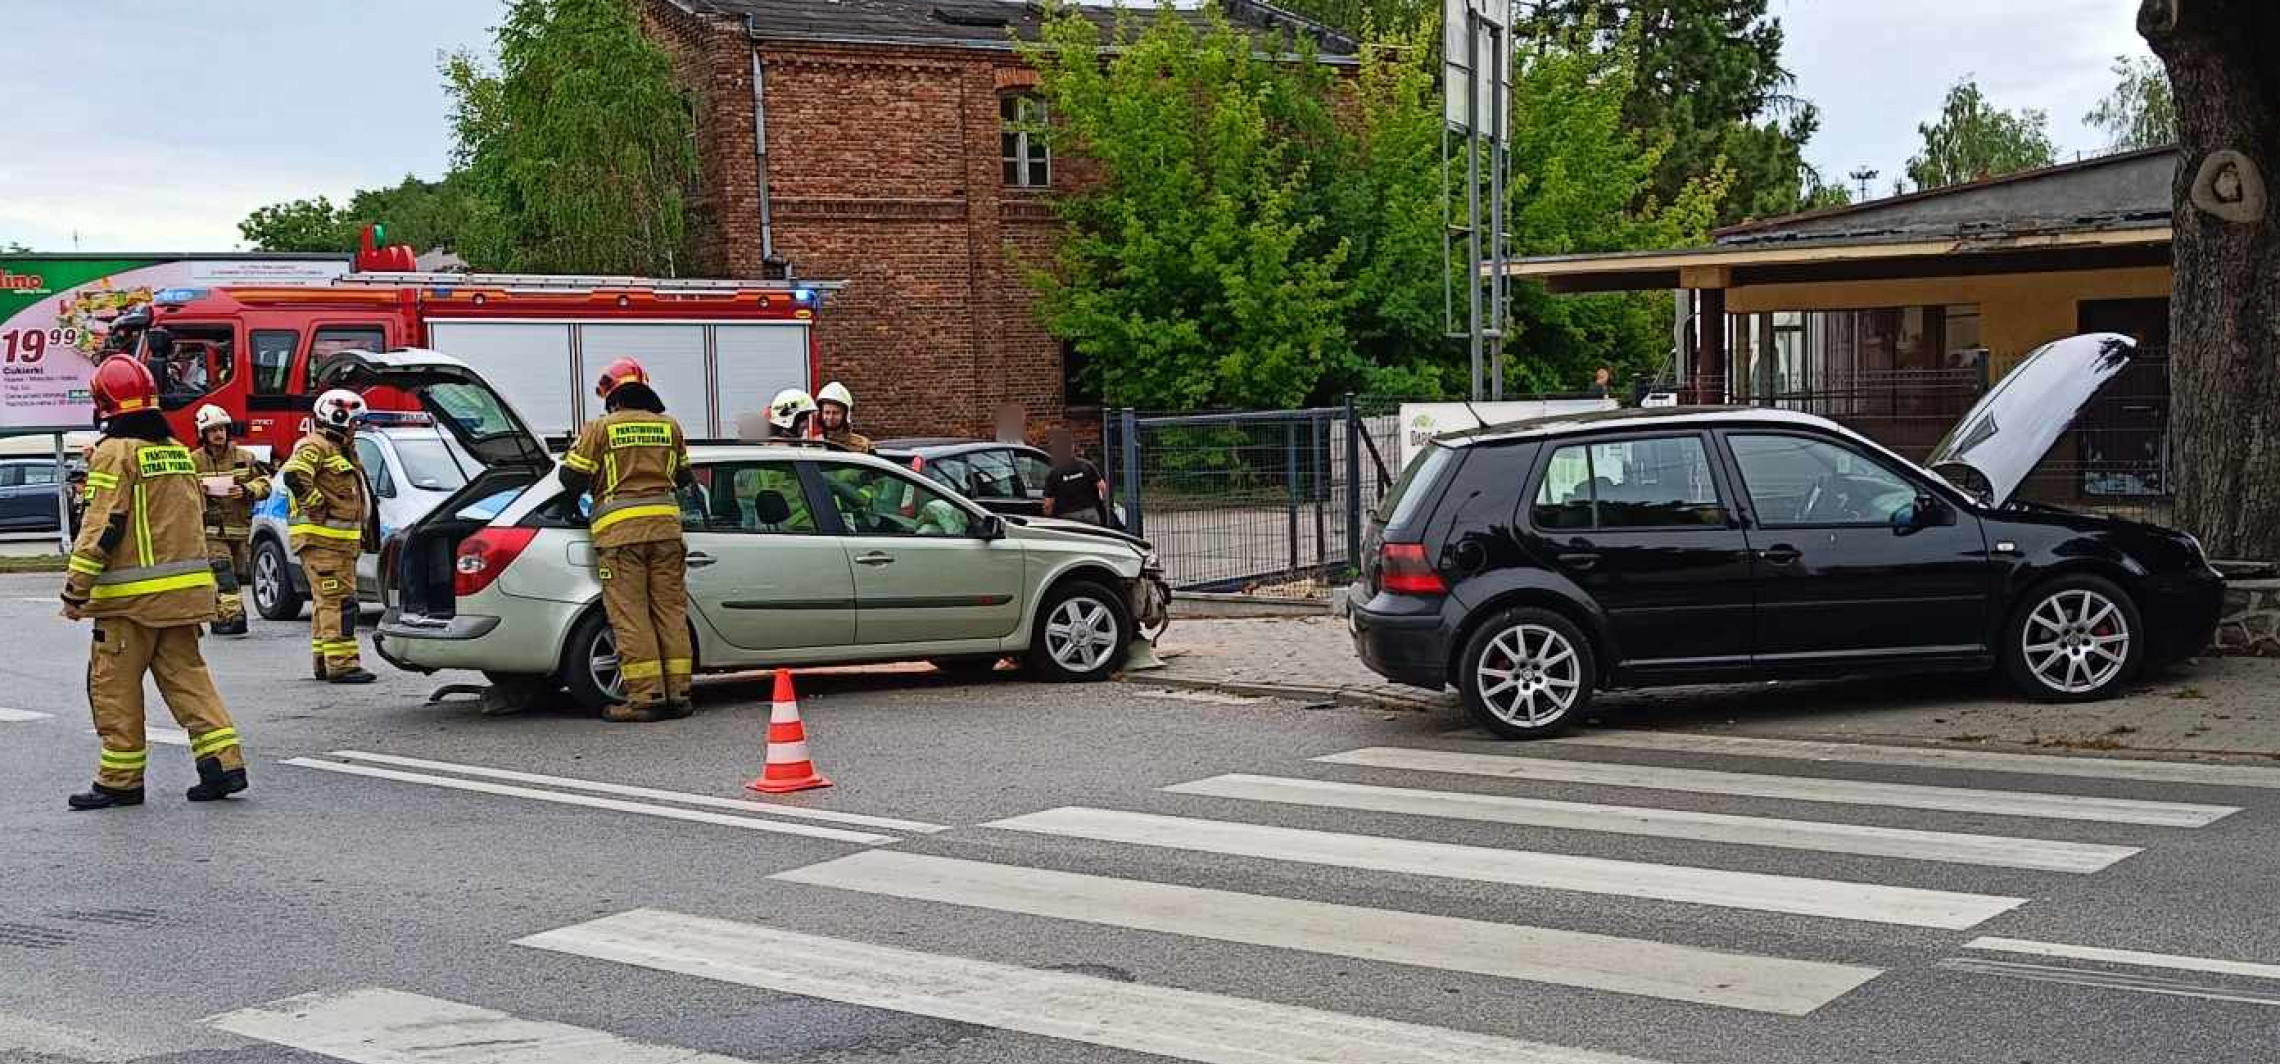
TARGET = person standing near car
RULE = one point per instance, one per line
(139, 570)
(835, 416)
(234, 481)
(633, 459)
(331, 523)
(1074, 489)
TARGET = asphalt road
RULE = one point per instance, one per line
(1035, 893)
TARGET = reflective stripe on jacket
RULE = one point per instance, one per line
(154, 570)
(634, 457)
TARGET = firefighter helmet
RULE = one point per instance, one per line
(617, 375)
(122, 385)
(211, 417)
(788, 407)
(338, 409)
(836, 392)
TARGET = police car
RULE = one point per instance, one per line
(411, 467)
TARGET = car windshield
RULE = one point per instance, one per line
(428, 464)
(1400, 504)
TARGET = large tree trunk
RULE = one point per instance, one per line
(2224, 65)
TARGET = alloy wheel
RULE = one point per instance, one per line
(1529, 676)
(602, 665)
(1080, 634)
(2076, 641)
(267, 579)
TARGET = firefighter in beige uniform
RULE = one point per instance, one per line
(633, 458)
(229, 518)
(330, 526)
(139, 570)
(835, 419)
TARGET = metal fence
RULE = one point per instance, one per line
(1258, 502)
(1272, 502)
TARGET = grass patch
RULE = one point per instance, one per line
(37, 563)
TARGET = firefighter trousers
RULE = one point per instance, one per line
(124, 652)
(645, 592)
(332, 612)
(232, 560)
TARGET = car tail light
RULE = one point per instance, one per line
(486, 554)
(1404, 569)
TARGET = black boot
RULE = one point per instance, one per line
(101, 797)
(351, 676)
(214, 782)
(317, 666)
(233, 626)
(676, 710)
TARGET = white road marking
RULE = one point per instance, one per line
(2140, 984)
(1793, 788)
(1996, 850)
(694, 815)
(18, 716)
(712, 801)
(1534, 954)
(1180, 1024)
(1922, 757)
(2127, 956)
(1594, 875)
(380, 1026)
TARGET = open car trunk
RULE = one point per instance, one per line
(417, 566)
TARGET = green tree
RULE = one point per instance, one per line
(2140, 112)
(1708, 75)
(576, 148)
(1384, 16)
(297, 225)
(1973, 139)
(1191, 276)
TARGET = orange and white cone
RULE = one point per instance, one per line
(788, 766)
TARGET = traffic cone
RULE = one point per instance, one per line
(788, 766)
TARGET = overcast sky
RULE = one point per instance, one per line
(155, 125)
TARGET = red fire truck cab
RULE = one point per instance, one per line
(716, 349)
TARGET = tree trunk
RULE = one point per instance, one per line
(2224, 309)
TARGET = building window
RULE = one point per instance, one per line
(1079, 386)
(1021, 142)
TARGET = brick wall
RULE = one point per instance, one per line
(883, 172)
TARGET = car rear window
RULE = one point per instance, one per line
(1401, 504)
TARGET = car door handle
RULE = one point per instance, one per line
(877, 557)
(1780, 554)
(699, 561)
(1580, 559)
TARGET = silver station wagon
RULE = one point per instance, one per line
(799, 555)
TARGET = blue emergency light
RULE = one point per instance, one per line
(177, 296)
(394, 417)
(804, 295)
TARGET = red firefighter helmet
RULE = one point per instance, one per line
(122, 385)
(617, 375)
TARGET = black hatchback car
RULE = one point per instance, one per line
(1533, 563)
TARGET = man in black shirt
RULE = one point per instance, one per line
(1074, 490)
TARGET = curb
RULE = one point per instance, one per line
(1345, 696)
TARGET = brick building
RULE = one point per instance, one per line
(866, 141)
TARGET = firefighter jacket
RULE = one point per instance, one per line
(141, 552)
(634, 459)
(855, 441)
(231, 519)
(326, 491)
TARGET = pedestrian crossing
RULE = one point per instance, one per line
(1826, 902)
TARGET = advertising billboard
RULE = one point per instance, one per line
(56, 309)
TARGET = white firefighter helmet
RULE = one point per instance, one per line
(786, 409)
(338, 409)
(836, 392)
(211, 417)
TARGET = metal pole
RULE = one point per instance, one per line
(1499, 71)
(1129, 431)
(1353, 485)
(1290, 477)
(1472, 195)
(62, 500)
(1318, 486)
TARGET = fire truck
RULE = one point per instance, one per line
(715, 349)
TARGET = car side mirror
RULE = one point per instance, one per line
(991, 527)
(1926, 512)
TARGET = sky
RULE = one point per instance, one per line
(156, 125)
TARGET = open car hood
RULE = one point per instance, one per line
(459, 399)
(1993, 449)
